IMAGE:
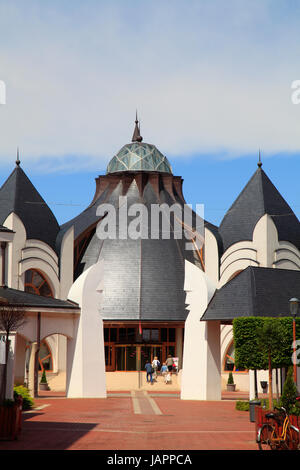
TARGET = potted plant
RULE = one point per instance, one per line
(43, 383)
(230, 383)
(10, 418)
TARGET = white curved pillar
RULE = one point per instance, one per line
(85, 353)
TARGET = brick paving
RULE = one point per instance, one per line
(142, 422)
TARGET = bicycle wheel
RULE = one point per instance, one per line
(292, 439)
(264, 439)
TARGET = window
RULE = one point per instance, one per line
(36, 283)
(150, 334)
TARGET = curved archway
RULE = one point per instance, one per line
(45, 357)
(229, 360)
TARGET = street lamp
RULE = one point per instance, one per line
(294, 304)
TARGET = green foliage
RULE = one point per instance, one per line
(295, 409)
(242, 406)
(230, 380)
(43, 378)
(247, 353)
(28, 401)
(251, 349)
(289, 392)
(245, 405)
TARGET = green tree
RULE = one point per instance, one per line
(249, 355)
(289, 393)
(269, 341)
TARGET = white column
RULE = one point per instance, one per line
(85, 353)
(33, 350)
(11, 367)
(201, 374)
(251, 385)
(212, 351)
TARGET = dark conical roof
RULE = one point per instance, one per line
(259, 197)
(256, 291)
(144, 278)
(18, 195)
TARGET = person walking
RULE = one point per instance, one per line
(169, 363)
(164, 371)
(149, 369)
(155, 365)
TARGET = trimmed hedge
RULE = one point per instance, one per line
(247, 353)
(242, 406)
(245, 406)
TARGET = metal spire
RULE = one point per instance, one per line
(136, 134)
(18, 158)
(259, 164)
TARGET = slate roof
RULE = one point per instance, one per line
(144, 278)
(18, 195)
(259, 197)
(255, 292)
(26, 299)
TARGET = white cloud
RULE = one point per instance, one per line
(205, 77)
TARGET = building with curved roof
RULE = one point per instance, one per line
(143, 304)
(99, 267)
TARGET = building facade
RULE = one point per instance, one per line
(144, 305)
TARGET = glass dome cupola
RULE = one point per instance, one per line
(139, 156)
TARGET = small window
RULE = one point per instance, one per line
(164, 334)
(106, 334)
(172, 335)
(146, 334)
(113, 334)
(36, 283)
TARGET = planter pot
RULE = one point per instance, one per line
(231, 387)
(44, 386)
(10, 420)
(264, 386)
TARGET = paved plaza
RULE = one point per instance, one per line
(134, 420)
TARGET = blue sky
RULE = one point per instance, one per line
(211, 81)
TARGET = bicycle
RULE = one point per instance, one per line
(280, 435)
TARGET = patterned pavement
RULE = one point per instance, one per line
(134, 421)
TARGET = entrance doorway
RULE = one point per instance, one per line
(134, 357)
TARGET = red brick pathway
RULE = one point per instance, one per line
(113, 424)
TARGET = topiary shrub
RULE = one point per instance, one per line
(289, 392)
(28, 401)
(230, 380)
(43, 378)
